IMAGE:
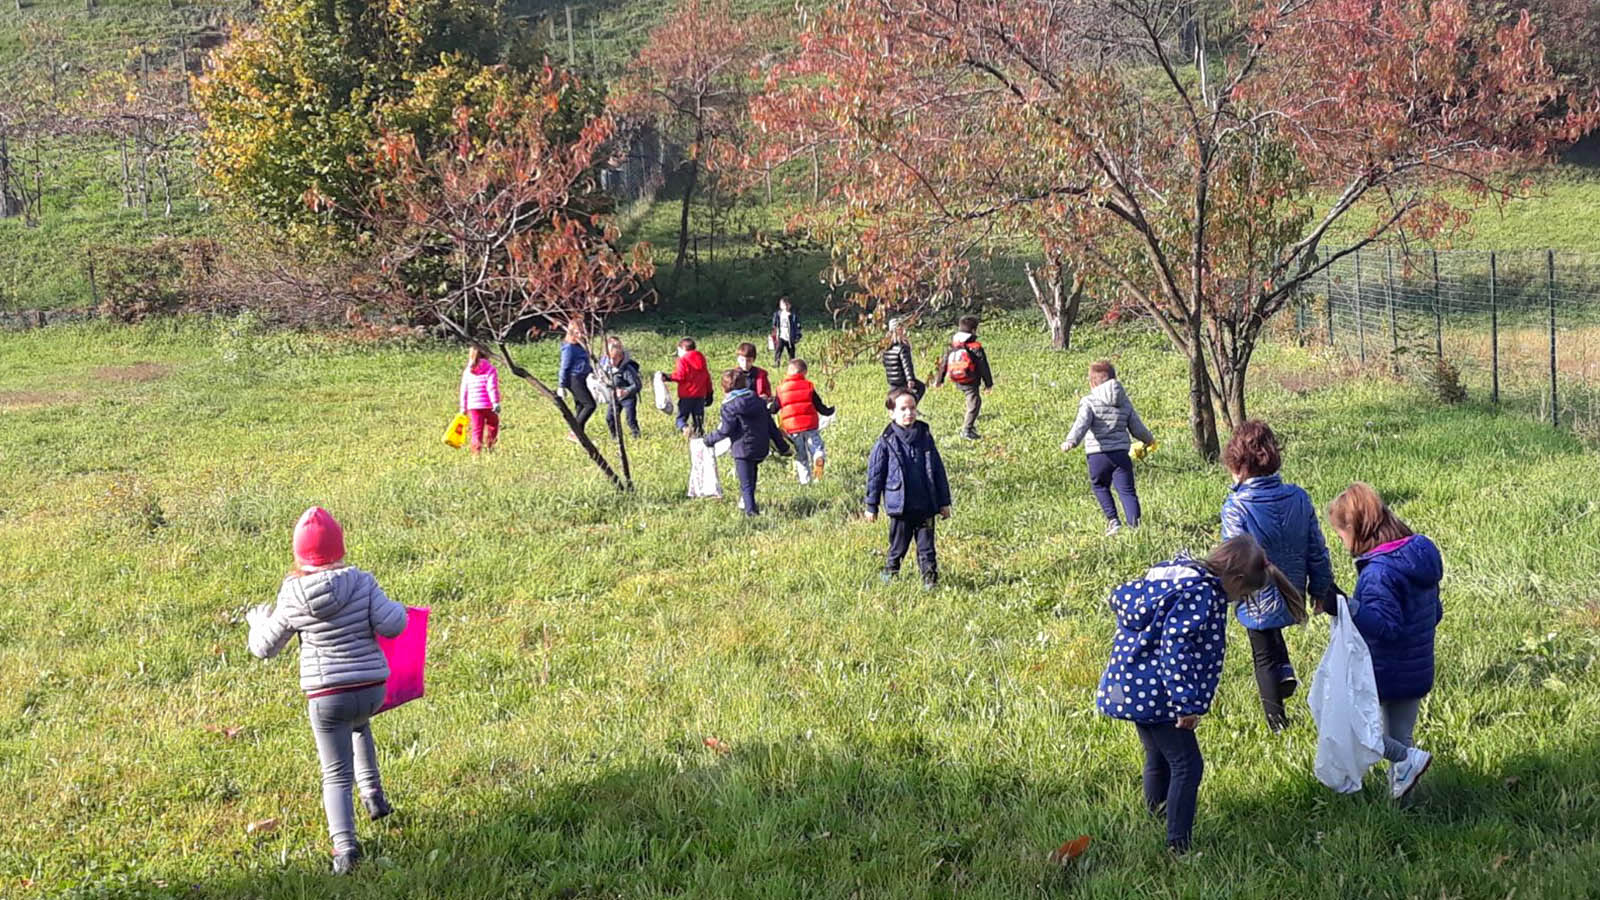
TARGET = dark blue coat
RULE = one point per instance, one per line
(574, 364)
(1397, 609)
(746, 422)
(1282, 518)
(1166, 657)
(906, 474)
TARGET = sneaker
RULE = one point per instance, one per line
(377, 806)
(572, 437)
(1112, 528)
(971, 435)
(637, 435)
(1405, 774)
(345, 863)
(930, 582)
(886, 576)
(1288, 683)
(816, 469)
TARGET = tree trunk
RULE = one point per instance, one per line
(1202, 414)
(683, 223)
(1059, 307)
(566, 413)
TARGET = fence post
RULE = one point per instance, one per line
(1494, 327)
(1388, 293)
(1329, 272)
(1361, 325)
(1550, 289)
(1438, 312)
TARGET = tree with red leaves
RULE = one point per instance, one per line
(503, 228)
(1208, 188)
(693, 79)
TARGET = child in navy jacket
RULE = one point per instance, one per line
(1165, 662)
(1283, 519)
(746, 422)
(906, 475)
(1396, 608)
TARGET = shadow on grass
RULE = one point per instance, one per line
(895, 816)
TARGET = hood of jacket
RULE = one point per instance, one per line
(1137, 610)
(325, 594)
(1415, 558)
(1109, 393)
(960, 337)
(607, 363)
(481, 367)
(1270, 502)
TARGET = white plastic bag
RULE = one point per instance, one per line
(598, 389)
(703, 478)
(663, 402)
(1344, 703)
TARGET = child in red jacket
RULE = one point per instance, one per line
(693, 378)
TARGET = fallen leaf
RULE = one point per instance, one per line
(229, 732)
(264, 826)
(1070, 850)
(718, 746)
(1499, 861)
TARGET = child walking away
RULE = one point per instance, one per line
(621, 372)
(899, 369)
(480, 399)
(1281, 517)
(1105, 419)
(785, 332)
(574, 376)
(905, 475)
(1397, 610)
(693, 378)
(337, 610)
(1166, 658)
(967, 365)
(747, 423)
(800, 411)
(760, 383)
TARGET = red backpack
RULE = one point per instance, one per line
(961, 365)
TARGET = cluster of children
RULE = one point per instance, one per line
(1170, 624)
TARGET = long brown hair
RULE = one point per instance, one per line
(474, 353)
(1360, 513)
(1244, 569)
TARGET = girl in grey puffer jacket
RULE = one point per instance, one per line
(1105, 420)
(338, 611)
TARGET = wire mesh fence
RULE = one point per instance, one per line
(1522, 327)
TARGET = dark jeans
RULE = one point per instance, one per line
(974, 393)
(1270, 655)
(901, 532)
(582, 401)
(779, 346)
(341, 725)
(747, 470)
(692, 411)
(1114, 468)
(1172, 770)
(630, 411)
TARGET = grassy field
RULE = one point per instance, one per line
(880, 741)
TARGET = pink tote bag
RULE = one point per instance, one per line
(408, 655)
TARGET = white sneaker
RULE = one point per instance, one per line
(1404, 775)
(1113, 528)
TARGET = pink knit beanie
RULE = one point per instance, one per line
(318, 539)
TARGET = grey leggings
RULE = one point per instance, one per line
(339, 722)
(1399, 721)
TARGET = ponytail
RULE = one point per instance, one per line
(1292, 598)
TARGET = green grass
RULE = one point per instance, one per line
(884, 742)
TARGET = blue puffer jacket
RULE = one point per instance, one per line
(906, 474)
(574, 365)
(746, 422)
(1167, 653)
(1282, 518)
(1397, 610)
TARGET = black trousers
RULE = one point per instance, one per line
(582, 401)
(1270, 655)
(779, 345)
(901, 532)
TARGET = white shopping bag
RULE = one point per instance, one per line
(663, 401)
(598, 389)
(703, 478)
(1344, 703)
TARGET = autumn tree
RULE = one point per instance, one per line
(1207, 188)
(693, 79)
(294, 101)
(509, 205)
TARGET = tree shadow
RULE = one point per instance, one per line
(895, 811)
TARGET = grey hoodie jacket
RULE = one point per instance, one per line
(337, 614)
(1105, 418)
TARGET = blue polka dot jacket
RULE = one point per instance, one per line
(1166, 657)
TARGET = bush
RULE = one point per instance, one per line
(156, 279)
(1443, 380)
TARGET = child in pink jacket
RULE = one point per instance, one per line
(480, 399)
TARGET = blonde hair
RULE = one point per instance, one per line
(1361, 513)
(474, 353)
(1242, 561)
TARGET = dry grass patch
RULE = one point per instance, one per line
(137, 373)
